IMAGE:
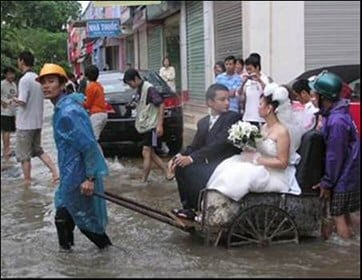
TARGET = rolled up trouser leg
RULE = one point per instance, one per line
(101, 240)
(65, 226)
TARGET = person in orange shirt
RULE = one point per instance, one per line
(95, 101)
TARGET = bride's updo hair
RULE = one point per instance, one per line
(268, 95)
(269, 101)
(276, 95)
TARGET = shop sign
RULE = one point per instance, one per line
(103, 28)
(124, 3)
(139, 18)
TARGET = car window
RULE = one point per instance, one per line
(155, 80)
(114, 85)
(113, 82)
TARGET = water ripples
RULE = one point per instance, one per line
(143, 247)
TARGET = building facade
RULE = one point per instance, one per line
(290, 36)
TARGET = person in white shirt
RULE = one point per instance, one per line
(251, 90)
(167, 72)
(8, 92)
(29, 120)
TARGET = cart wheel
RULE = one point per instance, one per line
(262, 225)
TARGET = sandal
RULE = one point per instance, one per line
(198, 219)
(184, 214)
(175, 211)
(55, 181)
(170, 177)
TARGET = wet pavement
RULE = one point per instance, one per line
(144, 247)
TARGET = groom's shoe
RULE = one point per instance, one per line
(184, 214)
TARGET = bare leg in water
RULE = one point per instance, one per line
(158, 161)
(147, 157)
(26, 166)
(50, 164)
(150, 156)
(344, 226)
(6, 143)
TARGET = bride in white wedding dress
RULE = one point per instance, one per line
(272, 167)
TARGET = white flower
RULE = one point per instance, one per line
(254, 128)
(240, 134)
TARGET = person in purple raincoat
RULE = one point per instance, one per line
(341, 180)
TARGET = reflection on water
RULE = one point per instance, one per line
(144, 247)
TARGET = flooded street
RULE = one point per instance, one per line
(144, 247)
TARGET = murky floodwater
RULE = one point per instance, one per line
(145, 247)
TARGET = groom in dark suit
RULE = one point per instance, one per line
(209, 147)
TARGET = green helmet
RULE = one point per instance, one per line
(328, 85)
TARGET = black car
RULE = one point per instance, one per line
(120, 129)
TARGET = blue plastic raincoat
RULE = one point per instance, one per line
(79, 157)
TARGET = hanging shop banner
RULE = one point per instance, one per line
(124, 3)
(103, 28)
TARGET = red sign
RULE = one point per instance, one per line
(355, 110)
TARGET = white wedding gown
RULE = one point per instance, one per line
(235, 177)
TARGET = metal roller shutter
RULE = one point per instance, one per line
(332, 33)
(155, 48)
(130, 50)
(195, 49)
(228, 29)
(143, 54)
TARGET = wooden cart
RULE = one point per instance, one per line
(259, 218)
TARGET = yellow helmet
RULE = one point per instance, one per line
(52, 69)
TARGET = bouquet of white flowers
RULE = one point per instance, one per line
(243, 134)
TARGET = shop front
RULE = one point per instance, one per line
(172, 45)
(164, 36)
